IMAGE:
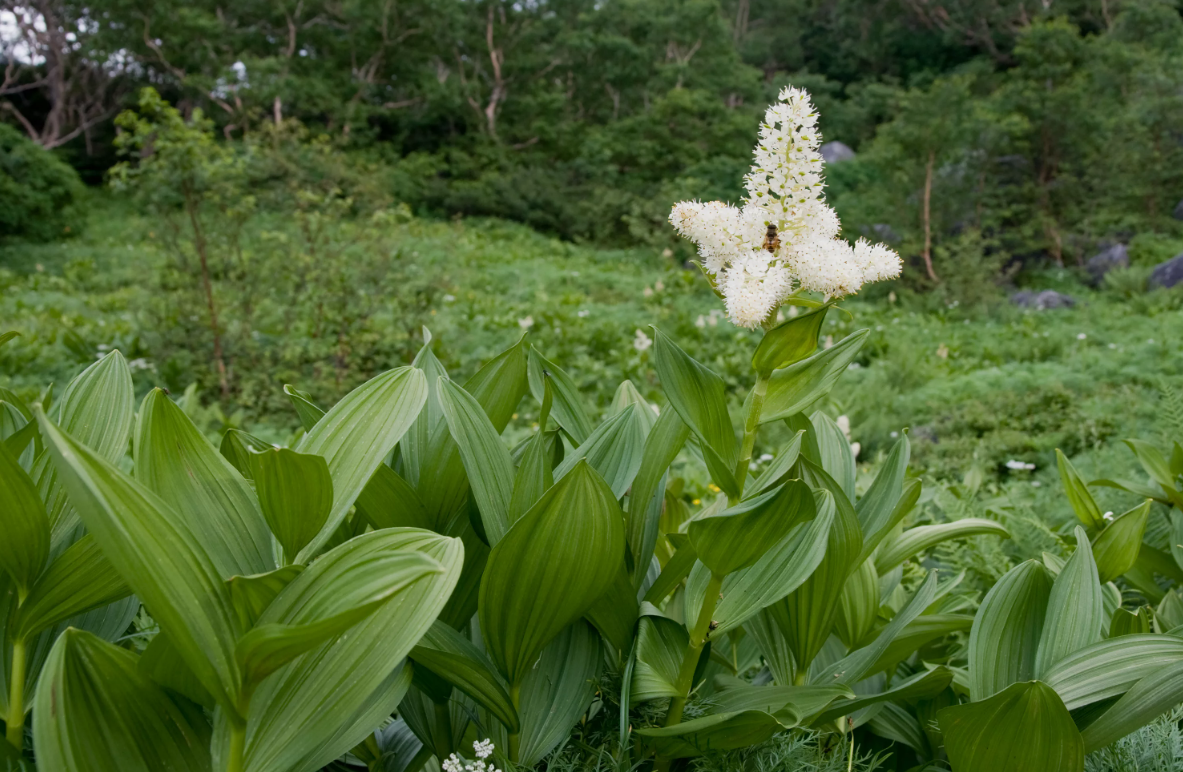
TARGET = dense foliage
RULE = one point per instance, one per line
(38, 191)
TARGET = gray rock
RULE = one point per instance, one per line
(836, 152)
(1106, 260)
(1167, 274)
(1178, 213)
(885, 233)
(1042, 301)
(924, 433)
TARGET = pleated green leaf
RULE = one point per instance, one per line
(337, 591)
(555, 562)
(308, 411)
(1109, 668)
(920, 632)
(296, 495)
(319, 706)
(455, 659)
(739, 536)
(1154, 462)
(858, 607)
(567, 407)
(1082, 501)
(238, 448)
(1075, 609)
(415, 445)
(665, 441)
(798, 386)
(136, 529)
(1124, 622)
(700, 398)
(780, 468)
(715, 733)
(389, 501)
(215, 503)
(486, 459)
(675, 570)
(661, 645)
(557, 691)
(615, 613)
(614, 450)
(1024, 728)
(355, 436)
(1116, 548)
(889, 499)
(805, 701)
(1149, 698)
(163, 664)
(251, 595)
(1007, 630)
(23, 521)
(926, 683)
(95, 711)
(627, 394)
(916, 540)
(834, 452)
(790, 341)
(7, 336)
(78, 580)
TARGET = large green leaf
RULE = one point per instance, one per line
(676, 569)
(1149, 698)
(920, 632)
(858, 607)
(25, 545)
(535, 474)
(1078, 494)
(567, 408)
(1075, 609)
(7, 336)
(295, 494)
(889, 499)
(389, 501)
(700, 398)
(780, 468)
(251, 595)
(95, 711)
(415, 445)
(486, 459)
(1007, 630)
(1109, 668)
(1154, 462)
(325, 702)
(926, 683)
(355, 436)
(1116, 548)
(790, 341)
(737, 537)
(923, 537)
(805, 701)
(237, 447)
(661, 645)
(613, 450)
(662, 446)
(458, 661)
(340, 589)
(80, 579)
(798, 386)
(210, 497)
(615, 613)
(308, 411)
(557, 691)
(136, 530)
(163, 664)
(555, 562)
(1024, 728)
(717, 732)
(834, 453)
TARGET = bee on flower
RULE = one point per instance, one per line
(785, 237)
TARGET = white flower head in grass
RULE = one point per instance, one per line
(784, 238)
(642, 341)
(482, 749)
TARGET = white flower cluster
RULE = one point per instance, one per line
(482, 749)
(784, 190)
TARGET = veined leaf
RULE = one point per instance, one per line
(627, 394)
(1116, 548)
(858, 606)
(458, 661)
(162, 663)
(613, 450)
(567, 408)
(924, 537)
(25, 545)
(1154, 462)
(308, 411)
(1007, 630)
(920, 632)
(355, 436)
(251, 595)
(80, 579)
(834, 454)
(556, 692)
(1124, 622)
(215, 503)
(790, 341)
(1024, 728)
(661, 645)
(237, 447)
(665, 441)
(1109, 668)
(95, 711)
(389, 501)
(614, 615)
(296, 496)
(805, 701)
(555, 562)
(718, 732)
(1149, 698)
(676, 569)
(889, 499)
(534, 475)
(737, 537)
(134, 527)
(798, 386)
(926, 683)
(1075, 611)
(780, 468)
(1078, 494)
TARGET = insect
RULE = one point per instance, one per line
(772, 238)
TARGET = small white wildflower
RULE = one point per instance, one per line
(583, 313)
(103, 347)
(700, 322)
(1108, 515)
(765, 456)
(647, 292)
(943, 351)
(483, 749)
(829, 341)
(894, 435)
(1036, 483)
(712, 320)
(659, 285)
(1019, 466)
(844, 425)
(1113, 345)
(855, 447)
(1081, 336)
(526, 322)
(449, 298)
(642, 341)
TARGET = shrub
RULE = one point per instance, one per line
(38, 192)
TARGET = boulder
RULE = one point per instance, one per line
(1178, 213)
(1106, 260)
(1167, 274)
(1042, 301)
(885, 233)
(836, 152)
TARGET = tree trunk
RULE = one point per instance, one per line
(927, 215)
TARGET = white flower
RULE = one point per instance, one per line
(526, 322)
(1081, 336)
(449, 298)
(642, 341)
(765, 456)
(1019, 466)
(784, 190)
(483, 749)
(843, 423)
(583, 314)
(647, 292)
(658, 285)
(700, 322)
(1108, 515)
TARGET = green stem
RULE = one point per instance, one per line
(237, 745)
(515, 696)
(16, 696)
(750, 427)
(443, 720)
(698, 637)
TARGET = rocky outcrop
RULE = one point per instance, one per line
(1167, 274)
(836, 152)
(1042, 301)
(1106, 260)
